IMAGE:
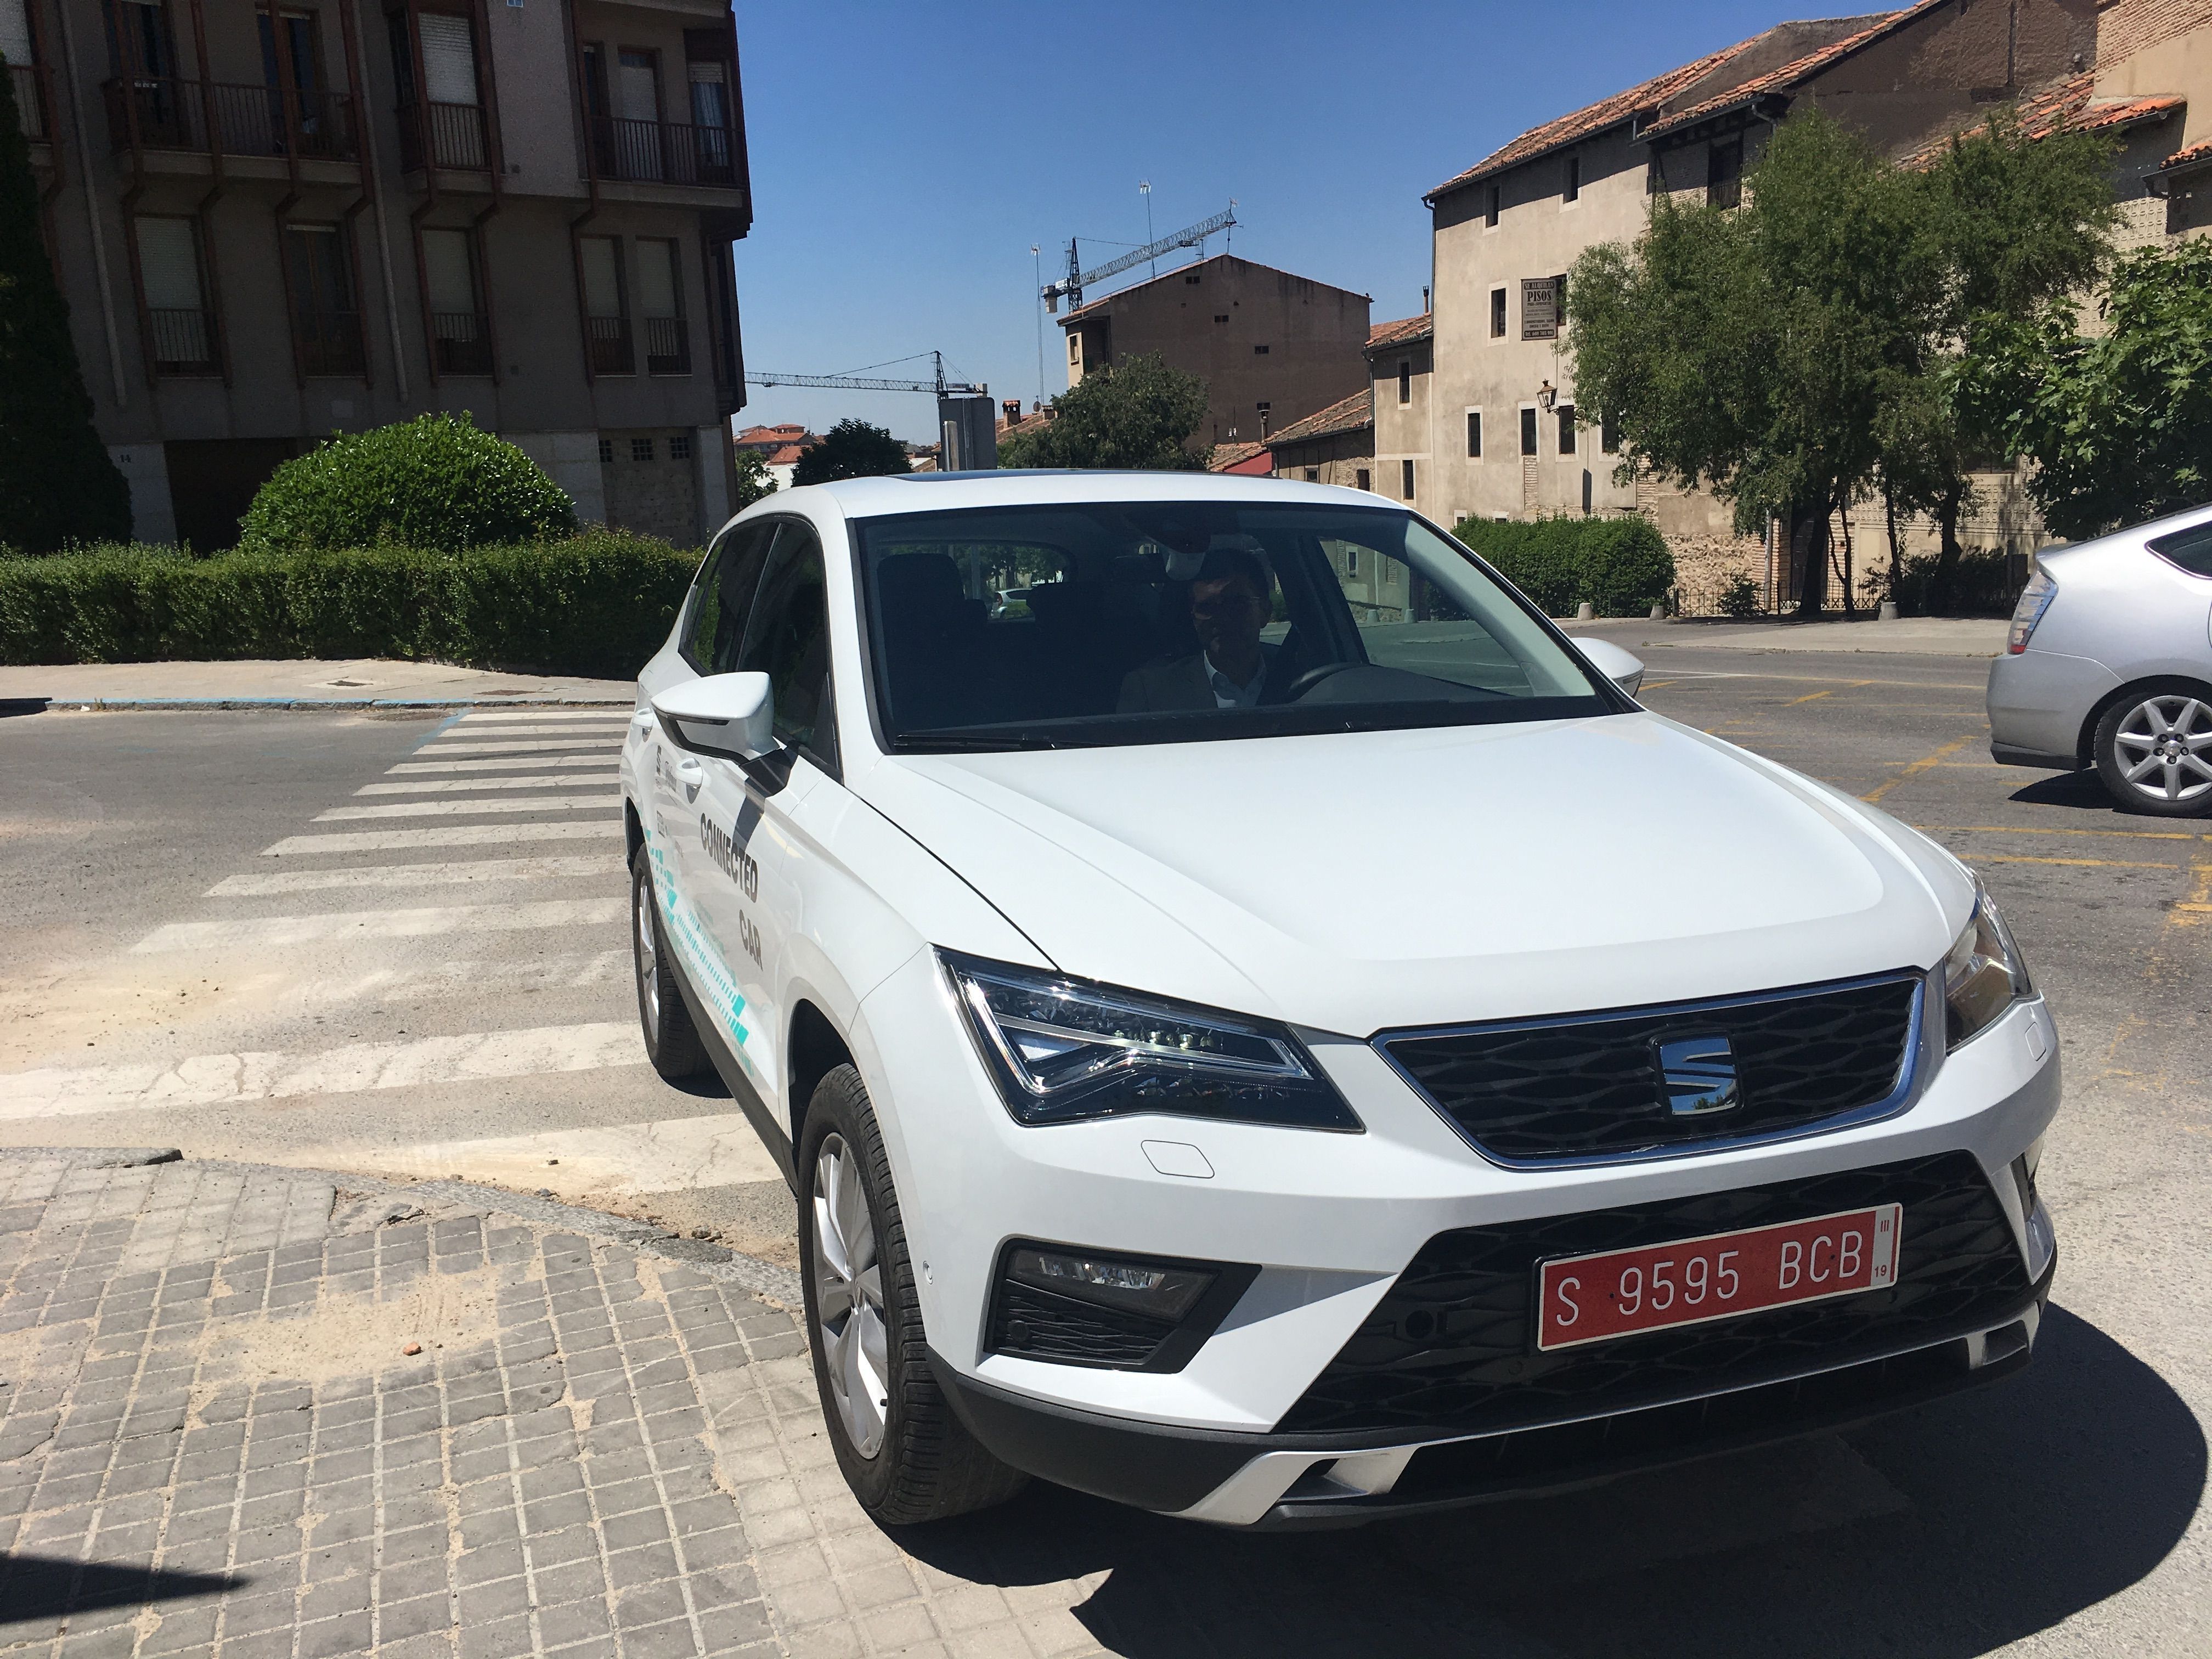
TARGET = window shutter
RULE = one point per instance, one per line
(656, 278)
(445, 260)
(169, 264)
(449, 59)
(602, 287)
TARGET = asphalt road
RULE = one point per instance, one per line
(157, 985)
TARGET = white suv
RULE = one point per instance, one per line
(1262, 1028)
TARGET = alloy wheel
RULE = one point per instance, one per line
(848, 1297)
(648, 960)
(2164, 748)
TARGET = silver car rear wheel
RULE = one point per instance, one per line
(2158, 753)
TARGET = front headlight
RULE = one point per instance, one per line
(1982, 973)
(1061, 1051)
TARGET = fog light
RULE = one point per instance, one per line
(1076, 1307)
(1160, 1292)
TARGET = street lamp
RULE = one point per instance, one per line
(1547, 396)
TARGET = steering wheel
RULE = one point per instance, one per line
(1314, 676)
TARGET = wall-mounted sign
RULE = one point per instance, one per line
(1540, 308)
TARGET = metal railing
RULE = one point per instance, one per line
(667, 346)
(30, 104)
(664, 152)
(184, 340)
(158, 113)
(464, 342)
(330, 341)
(611, 351)
(458, 137)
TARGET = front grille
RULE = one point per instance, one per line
(1591, 1087)
(1449, 1348)
(1038, 1325)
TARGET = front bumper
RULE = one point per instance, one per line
(1285, 1481)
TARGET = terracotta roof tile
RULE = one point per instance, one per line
(1354, 412)
(1226, 456)
(1792, 73)
(1404, 331)
(2065, 106)
(2197, 153)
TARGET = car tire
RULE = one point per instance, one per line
(2149, 722)
(672, 1040)
(904, 1453)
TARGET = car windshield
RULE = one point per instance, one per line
(1101, 623)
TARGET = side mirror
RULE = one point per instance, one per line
(731, 716)
(1625, 671)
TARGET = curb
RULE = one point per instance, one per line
(772, 1283)
(309, 705)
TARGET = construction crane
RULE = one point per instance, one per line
(940, 385)
(1077, 279)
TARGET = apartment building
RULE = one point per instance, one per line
(1272, 347)
(1494, 431)
(280, 220)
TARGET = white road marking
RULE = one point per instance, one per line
(573, 970)
(265, 932)
(451, 785)
(421, 875)
(580, 741)
(454, 835)
(493, 716)
(423, 809)
(610, 731)
(511, 763)
(224, 1079)
(681, 1153)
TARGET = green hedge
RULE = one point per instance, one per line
(1619, 565)
(597, 604)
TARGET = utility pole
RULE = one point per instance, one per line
(1145, 190)
(1037, 265)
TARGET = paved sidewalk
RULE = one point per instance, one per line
(314, 684)
(1930, 637)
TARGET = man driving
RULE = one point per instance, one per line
(1229, 604)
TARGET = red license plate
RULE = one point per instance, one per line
(1688, 1281)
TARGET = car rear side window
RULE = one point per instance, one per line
(716, 626)
(787, 639)
(2190, 549)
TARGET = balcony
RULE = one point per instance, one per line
(464, 342)
(664, 152)
(457, 137)
(155, 113)
(667, 346)
(183, 341)
(330, 342)
(30, 104)
(611, 351)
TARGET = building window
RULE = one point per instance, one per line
(1724, 174)
(1258, 351)
(706, 65)
(1313, 475)
(1474, 435)
(679, 446)
(1527, 430)
(1498, 313)
(660, 308)
(1572, 187)
(1405, 479)
(606, 452)
(1566, 414)
(1190, 279)
(450, 107)
(1492, 200)
(606, 306)
(1363, 478)
(1404, 382)
(181, 331)
(1608, 436)
(1221, 317)
(640, 449)
(460, 332)
(325, 315)
(1075, 348)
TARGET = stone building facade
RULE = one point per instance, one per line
(276, 223)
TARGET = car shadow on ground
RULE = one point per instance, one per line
(2082, 791)
(1948, 1531)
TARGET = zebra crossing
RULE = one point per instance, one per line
(431, 977)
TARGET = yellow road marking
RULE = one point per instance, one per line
(2015, 829)
(1815, 696)
(2118, 864)
(1938, 758)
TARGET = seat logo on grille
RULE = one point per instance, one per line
(1697, 1075)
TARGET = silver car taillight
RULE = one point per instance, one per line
(2034, 599)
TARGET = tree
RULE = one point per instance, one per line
(2119, 425)
(753, 480)
(57, 483)
(851, 449)
(1137, 414)
(1746, 350)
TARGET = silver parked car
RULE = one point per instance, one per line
(2109, 664)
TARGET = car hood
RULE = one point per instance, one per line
(1355, 881)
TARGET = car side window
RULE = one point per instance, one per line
(2190, 549)
(716, 628)
(787, 639)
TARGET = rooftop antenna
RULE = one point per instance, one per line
(1037, 266)
(1145, 190)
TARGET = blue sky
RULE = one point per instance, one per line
(905, 157)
